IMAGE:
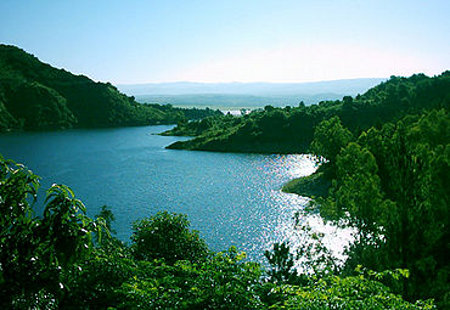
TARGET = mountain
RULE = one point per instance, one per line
(236, 102)
(348, 87)
(247, 95)
(37, 96)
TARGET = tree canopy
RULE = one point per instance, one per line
(392, 184)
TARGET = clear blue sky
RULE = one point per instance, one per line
(278, 41)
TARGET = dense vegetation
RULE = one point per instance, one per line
(64, 259)
(384, 157)
(392, 184)
(291, 129)
(36, 96)
(384, 170)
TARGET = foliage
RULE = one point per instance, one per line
(36, 96)
(222, 282)
(329, 138)
(208, 124)
(393, 186)
(291, 130)
(357, 189)
(108, 216)
(37, 106)
(50, 262)
(355, 292)
(167, 236)
(6, 119)
(33, 251)
(313, 257)
(282, 263)
(94, 282)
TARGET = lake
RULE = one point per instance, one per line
(231, 199)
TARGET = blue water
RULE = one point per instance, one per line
(232, 199)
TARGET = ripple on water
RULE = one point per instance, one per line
(232, 199)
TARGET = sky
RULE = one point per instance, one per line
(130, 42)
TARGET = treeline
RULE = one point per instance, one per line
(291, 129)
(63, 259)
(36, 96)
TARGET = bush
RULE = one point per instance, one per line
(167, 236)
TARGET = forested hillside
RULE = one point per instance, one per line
(36, 96)
(291, 129)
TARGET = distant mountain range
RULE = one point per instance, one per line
(229, 102)
(236, 94)
(347, 87)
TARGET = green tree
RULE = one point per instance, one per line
(330, 136)
(224, 281)
(167, 236)
(35, 250)
(393, 186)
(353, 292)
(282, 263)
(357, 191)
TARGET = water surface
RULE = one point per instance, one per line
(232, 199)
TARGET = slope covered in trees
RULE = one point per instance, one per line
(36, 96)
(65, 260)
(392, 184)
(291, 129)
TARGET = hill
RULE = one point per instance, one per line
(291, 130)
(37, 96)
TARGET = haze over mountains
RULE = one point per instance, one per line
(256, 94)
(347, 86)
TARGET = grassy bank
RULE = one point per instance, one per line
(314, 185)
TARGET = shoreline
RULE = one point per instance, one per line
(312, 186)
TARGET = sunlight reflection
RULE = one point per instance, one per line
(283, 168)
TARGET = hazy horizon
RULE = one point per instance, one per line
(337, 87)
(233, 96)
(248, 82)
